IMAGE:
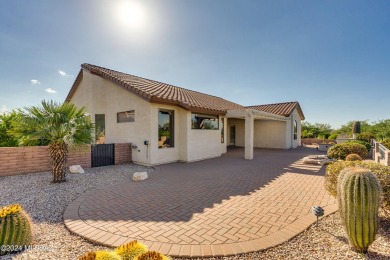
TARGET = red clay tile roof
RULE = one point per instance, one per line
(282, 109)
(158, 92)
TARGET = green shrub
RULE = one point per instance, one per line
(366, 144)
(353, 157)
(340, 151)
(365, 136)
(380, 171)
(333, 136)
(386, 143)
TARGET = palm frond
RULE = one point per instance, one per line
(53, 122)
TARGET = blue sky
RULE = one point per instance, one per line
(331, 56)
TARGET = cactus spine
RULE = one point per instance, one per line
(100, 255)
(130, 250)
(359, 199)
(151, 255)
(15, 229)
(88, 256)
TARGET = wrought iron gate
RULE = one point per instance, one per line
(102, 155)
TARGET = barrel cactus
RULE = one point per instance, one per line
(15, 229)
(130, 250)
(353, 157)
(88, 256)
(359, 199)
(100, 255)
(151, 255)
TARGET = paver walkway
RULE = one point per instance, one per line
(216, 207)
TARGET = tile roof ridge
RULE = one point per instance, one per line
(271, 104)
(88, 65)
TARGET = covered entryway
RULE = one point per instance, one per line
(253, 128)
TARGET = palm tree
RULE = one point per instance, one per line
(58, 125)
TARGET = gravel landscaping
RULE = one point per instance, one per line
(45, 203)
(327, 241)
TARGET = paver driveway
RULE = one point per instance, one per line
(215, 207)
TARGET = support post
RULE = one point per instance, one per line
(249, 129)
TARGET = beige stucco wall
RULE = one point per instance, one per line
(100, 96)
(190, 144)
(295, 116)
(204, 144)
(290, 130)
(270, 134)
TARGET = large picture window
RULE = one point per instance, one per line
(202, 121)
(166, 128)
(295, 130)
(124, 117)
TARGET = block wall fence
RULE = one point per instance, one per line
(30, 159)
(309, 141)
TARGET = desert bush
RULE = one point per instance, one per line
(366, 144)
(382, 172)
(353, 157)
(340, 151)
(386, 143)
(365, 136)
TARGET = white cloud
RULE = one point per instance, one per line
(50, 90)
(35, 81)
(63, 73)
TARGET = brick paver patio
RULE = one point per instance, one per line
(216, 207)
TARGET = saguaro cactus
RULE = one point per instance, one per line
(356, 127)
(359, 199)
(15, 229)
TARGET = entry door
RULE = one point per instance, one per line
(232, 135)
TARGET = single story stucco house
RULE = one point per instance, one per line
(167, 124)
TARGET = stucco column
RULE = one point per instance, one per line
(249, 129)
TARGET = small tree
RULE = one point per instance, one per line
(59, 125)
(6, 119)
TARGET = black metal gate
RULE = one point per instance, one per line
(102, 155)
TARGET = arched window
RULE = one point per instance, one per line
(295, 130)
